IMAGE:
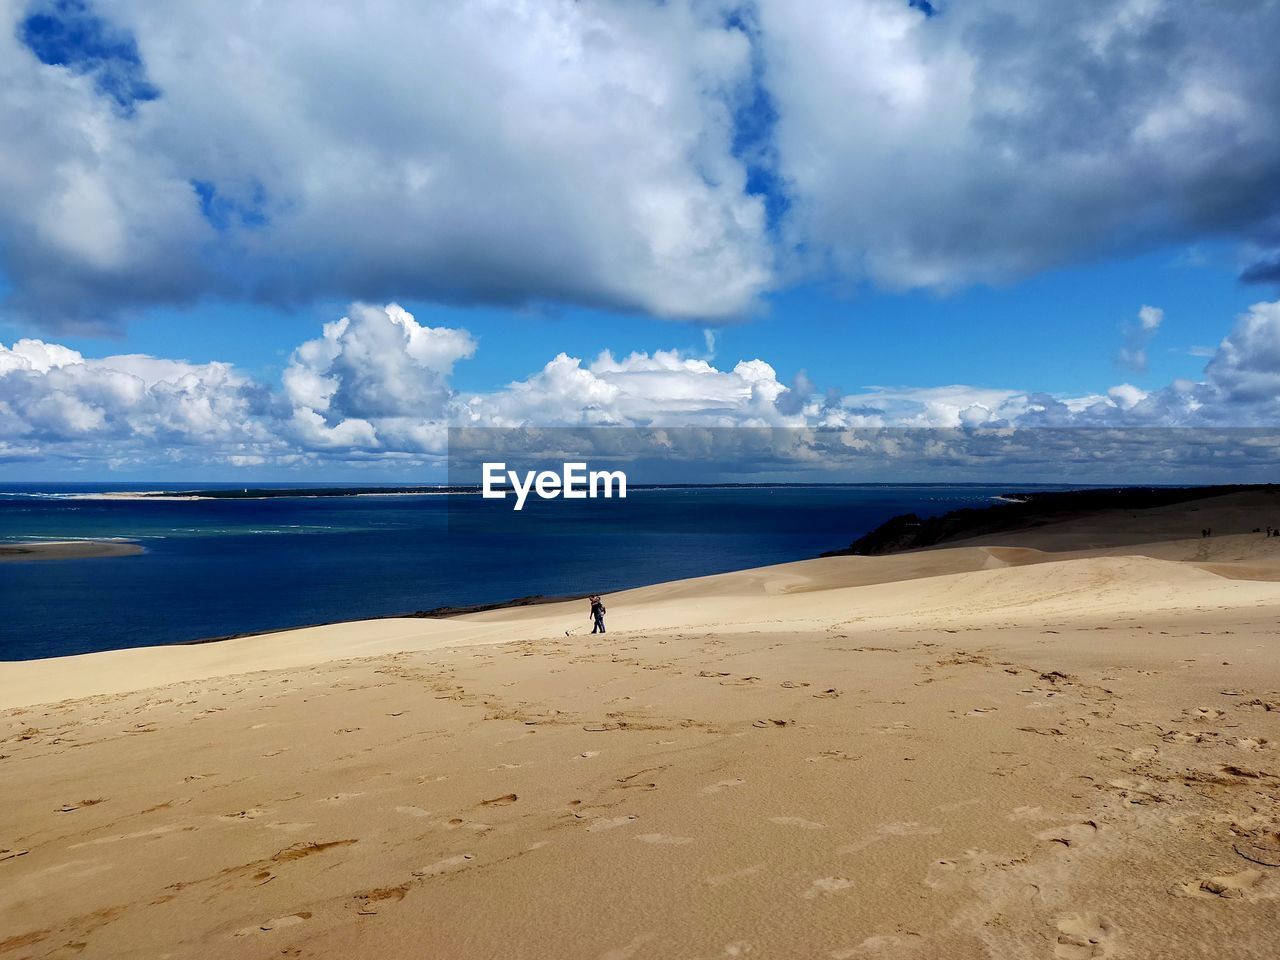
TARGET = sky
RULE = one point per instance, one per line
(285, 241)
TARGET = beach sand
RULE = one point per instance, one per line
(1061, 743)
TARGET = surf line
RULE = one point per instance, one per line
(573, 482)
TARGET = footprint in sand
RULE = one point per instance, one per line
(141, 834)
(950, 875)
(502, 801)
(1251, 743)
(1190, 736)
(826, 886)
(1136, 791)
(457, 823)
(279, 922)
(1072, 834)
(413, 811)
(908, 828)
(609, 823)
(1204, 713)
(1248, 884)
(72, 807)
(1083, 937)
(251, 814)
(447, 865)
(723, 784)
(798, 822)
(340, 797)
(1030, 813)
(664, 839)
(586, 755)
(831, 755)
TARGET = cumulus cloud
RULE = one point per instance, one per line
(642, 389)
(482, 151)
(55, 404)
(376, 387)
(1246, 368)
(1137, 336)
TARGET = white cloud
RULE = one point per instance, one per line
(376, 387)
(480, 151)
(1126, 396)
(369, 373)
(943, 407)
(1150, 318)
(1138, 336)
(663, 388)
(1246, 367)
(590, 151)
(57, 404)
(1000, 137)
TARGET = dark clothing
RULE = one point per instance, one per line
(597, 616)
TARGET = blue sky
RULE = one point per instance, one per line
(722, 212)
(1059, 331)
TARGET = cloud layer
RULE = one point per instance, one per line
(376, 387)
(612, 153)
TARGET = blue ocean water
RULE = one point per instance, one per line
(214, 567)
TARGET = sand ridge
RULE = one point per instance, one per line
(980, 751)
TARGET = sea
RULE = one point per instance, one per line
(214, 567)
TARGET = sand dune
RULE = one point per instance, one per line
(1061, 746)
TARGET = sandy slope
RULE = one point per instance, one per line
(1055, 746)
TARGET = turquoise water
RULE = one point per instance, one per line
(213, 567)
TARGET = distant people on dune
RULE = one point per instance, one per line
(597, 614)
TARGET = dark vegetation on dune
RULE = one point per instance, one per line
(1024, 511)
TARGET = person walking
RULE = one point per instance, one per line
(597, 614)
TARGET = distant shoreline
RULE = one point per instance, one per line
(66, 550)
